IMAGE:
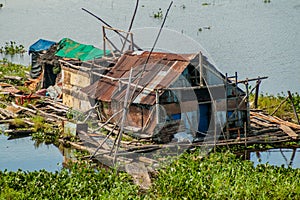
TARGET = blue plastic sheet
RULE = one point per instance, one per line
(40, 45)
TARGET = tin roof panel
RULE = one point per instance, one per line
(161, 71)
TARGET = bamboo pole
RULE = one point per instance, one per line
(104, 42)
(125, 111)
(248, 105)
(105, 139)
(157, 107)
(293, 105)
(252, 79)
(82, 68)
(201, 68)
(226, 95)
(281, 103)
(245, 132)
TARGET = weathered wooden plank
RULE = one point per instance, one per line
(2, 117)
(18, 132)
(261, 123)
(59, 110)
(7, 113)
(147, 160)
(49, 115)
(23, 108)
(276, 120)
(18, 78)
(288, 131)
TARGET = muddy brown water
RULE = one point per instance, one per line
(251, 37)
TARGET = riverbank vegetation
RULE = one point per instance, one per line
(279, 105)
(10, 69)
(218, 176)
(12, 48)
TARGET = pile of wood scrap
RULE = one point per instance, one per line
(6, 88)
(20, 117)
(273, 126)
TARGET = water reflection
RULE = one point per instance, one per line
(287, 157)
(26, 154)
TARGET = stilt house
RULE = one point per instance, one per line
(167, 93)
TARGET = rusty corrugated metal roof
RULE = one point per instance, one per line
(160, 72)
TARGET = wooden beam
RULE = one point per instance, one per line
(276, 120)
(289, 131)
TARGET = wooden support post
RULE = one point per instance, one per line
(248, 105)
(293, 105)
(245, 133)
(124, 116)
(215, 128)
(124, 43)
(256, 92)
(131, 42)
(90, 72)
(104, 41)
(236, 94)
(201, 68)
(157, 107)
(227, 115)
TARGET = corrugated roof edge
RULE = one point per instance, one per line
(104, 88)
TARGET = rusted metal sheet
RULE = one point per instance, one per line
(160, 72)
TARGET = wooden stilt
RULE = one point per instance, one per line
(293, 105)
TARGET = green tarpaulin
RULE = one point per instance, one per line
(68, 48)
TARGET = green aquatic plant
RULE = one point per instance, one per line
(224, 176)
(80, 181)
(158, 14)
(217, 176)
(41, 137)
(38, 123)
(206, 4)
(43, 131)
(12, 48)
